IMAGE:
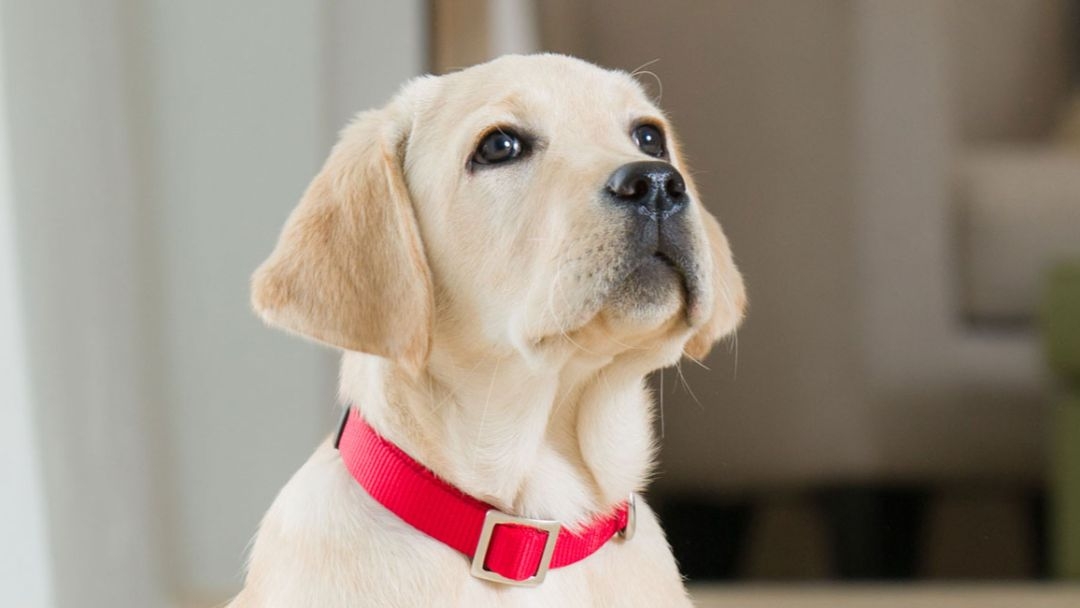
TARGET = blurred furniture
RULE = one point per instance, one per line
(467, 32)
(1018, 212)
(1061, 331)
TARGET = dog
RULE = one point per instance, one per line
(502, 254)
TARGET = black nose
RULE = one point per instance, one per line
(654, 188)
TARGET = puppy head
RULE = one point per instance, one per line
(520, 203)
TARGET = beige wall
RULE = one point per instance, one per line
(760, 94)
(1008, 64)
(823, 136)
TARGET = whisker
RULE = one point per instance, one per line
(698, 362)
(635, 71)
(450, 395)
(659, 85)
(735, 348)
(551, 308)
(725, 291)
(661, 403)
(686, 385)
(559, 404)
(483, 414)
(618, 342)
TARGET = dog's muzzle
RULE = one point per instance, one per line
(654, 195)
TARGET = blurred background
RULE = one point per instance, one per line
(900, 181)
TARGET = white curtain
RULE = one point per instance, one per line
(147, 418)
(25, 572)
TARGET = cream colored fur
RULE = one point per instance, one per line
(487, 333)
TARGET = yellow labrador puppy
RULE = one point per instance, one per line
(503, 254)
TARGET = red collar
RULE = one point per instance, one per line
(503, 548)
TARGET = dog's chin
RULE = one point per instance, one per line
(649, 297)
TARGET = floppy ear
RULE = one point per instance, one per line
(729, 294)
(349, 269)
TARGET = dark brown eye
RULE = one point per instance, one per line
(650, 140)
(497, 147)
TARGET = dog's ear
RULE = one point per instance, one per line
(729, 294)
(349, 268)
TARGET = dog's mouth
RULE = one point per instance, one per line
(657, 277)
(673, 263)
(661, 268)
(664, 258)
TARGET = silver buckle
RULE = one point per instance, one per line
(494, 518)
(631, 518)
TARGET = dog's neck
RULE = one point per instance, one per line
(559, 440)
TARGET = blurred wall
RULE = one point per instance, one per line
(823, 136)
(760, 94)
(1010, 67)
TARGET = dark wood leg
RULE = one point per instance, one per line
(876, 532)
(1040, 533)
(708, 537)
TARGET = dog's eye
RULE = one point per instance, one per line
(650, 140)
(498, 147)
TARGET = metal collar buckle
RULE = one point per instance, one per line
(494, 518)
